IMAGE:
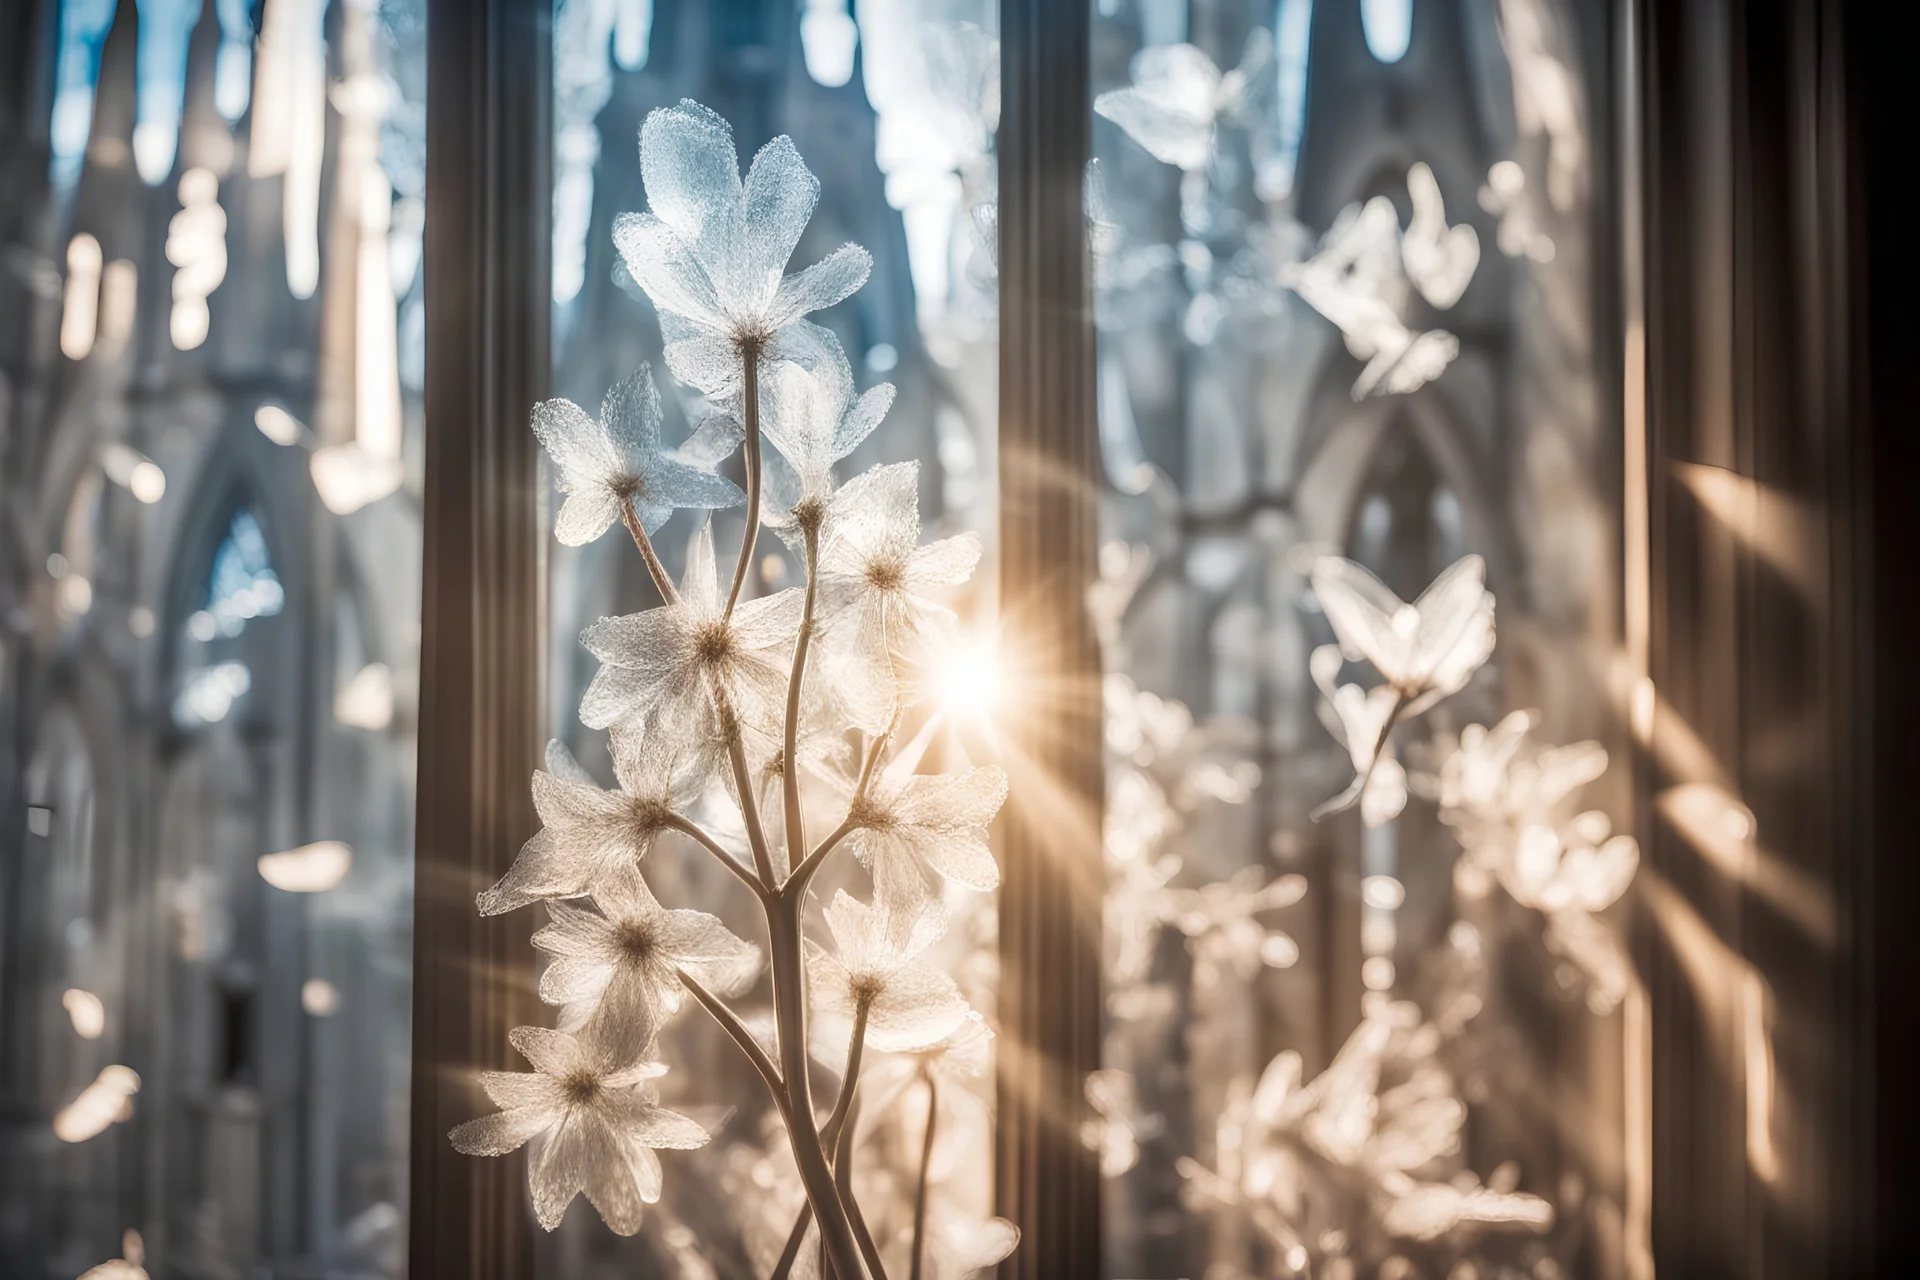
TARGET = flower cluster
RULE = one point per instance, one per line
(758, 698)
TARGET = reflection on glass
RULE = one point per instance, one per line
(211, 621)
(894, 108)
(1367, 1000)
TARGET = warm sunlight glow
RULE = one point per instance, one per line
(320, 998)
(971, 679)
(311, 868)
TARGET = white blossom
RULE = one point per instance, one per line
(619, 458)
(713, 251)
(1178, 95)
(1425, 650)
(617, 969)
(587, 833)
(815, 418)
(910, 1004)
(670, 668)
(917, 831)
(594, 1130)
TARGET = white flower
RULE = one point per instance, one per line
(617, 970)
(595, 1130)
(1177, 96)
(1425, 650)
(815, 419)
(874, 581)
(912, 833)
(1580, 865)
(1360, 721)
(712, 253)
(668, 668)
(587, 833)
(619, 458)
(909, 1003)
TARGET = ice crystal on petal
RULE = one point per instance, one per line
(617, 969)
(676, 667)
(910, 1004)
(594, 1129)
(619, 458)
(1425, 650)
(586, 832)
(712, 253)
(917, 831)
(875, 580)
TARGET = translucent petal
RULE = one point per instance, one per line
(692, 174)
(1447, 606)
(663, 264)
(630, 416)
(512, 1089)
(1182, 138)
(830, 280)
(700, 584)
(948, 562)
(571, 438)
(962, 857)
(552, 1052)
(1385, 794)
(1362, 610)
(505, 1131)
(965, 801)
(539, 871)
(669, 1131)
(860, 421)
(679, 485)
(705, 360)
(717, 438)
(561, 764)
(780, 196)
(918, 1006)
(616, 692)
(643, 1169)
(584, 516)
(903, 885)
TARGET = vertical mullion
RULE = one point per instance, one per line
(483, 607)
(1048, 1181)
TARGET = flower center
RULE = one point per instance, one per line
(869, 815)
(888, 573)
(713, 643)
(866, 988)
(634, 938)
(581, 1087)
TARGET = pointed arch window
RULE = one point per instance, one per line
(242, 584)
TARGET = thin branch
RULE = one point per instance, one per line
(688, 827)
(796, 883)
(655, 570)
(743, 783)
(791, 1254)
(920, 1188)
(843, 1179)
(731, 1024)
(750, 361)
(790, 763)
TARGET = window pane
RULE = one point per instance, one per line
(892, 107)
(1368, 999)
(210, 328)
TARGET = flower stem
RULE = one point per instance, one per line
(836, 1136)
(920, 1188)
(796, 883)
(809, 1154)
(750, 361)
(655, 570)
(789, 757)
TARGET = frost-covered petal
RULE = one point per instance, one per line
(948, 562)
(580, 1155)
(504, 1131)
(666, 1130)
(862, 418)
(664, 266)
(692, 176)
(630, 416)
(966, 801)
(702, 358)
(780, 194)
(554, 1053)
(830, 280)
(585, 515)
(1170, 135)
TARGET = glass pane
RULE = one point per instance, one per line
(210, 327)
(892, 107)
(1368, 1005)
